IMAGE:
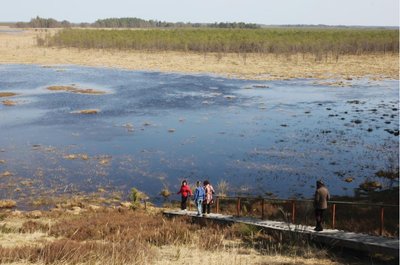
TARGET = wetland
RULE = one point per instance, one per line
(73, 130)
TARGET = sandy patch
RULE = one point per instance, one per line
(21, 48)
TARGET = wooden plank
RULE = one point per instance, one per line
(332, 237)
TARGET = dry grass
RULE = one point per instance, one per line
(72, 252)
(77, 156)
(190, 254)
(6, 174)
(86, 111)
(76, 90)
(9, 103)
(6, 204)
(111, 236)
(21, 48)
(7, 94)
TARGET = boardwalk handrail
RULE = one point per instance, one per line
(305, 200)
(335, 238)
(293, 203)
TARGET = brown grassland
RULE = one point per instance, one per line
(96, 235)
(22, 48)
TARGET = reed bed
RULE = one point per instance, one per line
(317, 41)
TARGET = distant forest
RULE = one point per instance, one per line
(128, 22)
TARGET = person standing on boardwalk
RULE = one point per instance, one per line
(321, 198)
(199, 196)
(185, 192)
(209, 190)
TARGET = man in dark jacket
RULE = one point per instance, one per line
(321, 198)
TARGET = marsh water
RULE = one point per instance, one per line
(154, 129)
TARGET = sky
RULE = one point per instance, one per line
(269, 12)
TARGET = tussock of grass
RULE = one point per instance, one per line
(86, 111)
(76, 90)
(6, 204)
(7, 94)
(6, 174)
(76, 156)
(32, 226)
(9, 103)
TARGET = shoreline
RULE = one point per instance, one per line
(21, 48)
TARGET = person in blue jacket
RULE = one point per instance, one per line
(199, 195)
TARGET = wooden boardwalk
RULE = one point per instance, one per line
(331, 237)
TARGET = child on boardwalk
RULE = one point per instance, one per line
(185, 191)
(199, 196)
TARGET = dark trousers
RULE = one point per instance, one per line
(183, 202)
(207, 208)
(319, 217)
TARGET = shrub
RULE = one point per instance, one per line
(320, 42)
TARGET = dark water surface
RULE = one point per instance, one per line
(154, 129)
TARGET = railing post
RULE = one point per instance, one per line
(238, 207)
(217, 204)
(333, 215)
(381, 221)
(293, 211)
(262, 209)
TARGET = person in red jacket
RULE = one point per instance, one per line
(185, 191)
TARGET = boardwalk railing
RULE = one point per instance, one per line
(358, 214)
